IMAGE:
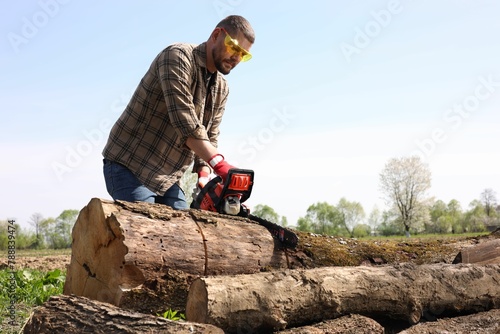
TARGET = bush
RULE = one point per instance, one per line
(361, 231)
(388, 229)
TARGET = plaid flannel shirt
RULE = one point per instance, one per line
(177, 98)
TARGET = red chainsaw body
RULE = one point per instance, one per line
(238, 184)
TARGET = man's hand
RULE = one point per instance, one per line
(203, 178)
(220, 166)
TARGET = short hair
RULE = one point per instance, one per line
(235, 23)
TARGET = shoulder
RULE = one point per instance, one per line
(181, 47)
(176, 56)
(178, 52)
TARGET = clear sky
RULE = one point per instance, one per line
(335, 89)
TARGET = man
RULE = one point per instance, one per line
(173, 118)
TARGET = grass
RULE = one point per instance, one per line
(428, 237)
(172, 315)
(25, 289)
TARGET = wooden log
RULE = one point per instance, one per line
(75, 315)
(349, 324)
(143, 256)
(487, 252)
(291, 298)
(479, 323)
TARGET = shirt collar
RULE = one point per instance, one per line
(200, 55)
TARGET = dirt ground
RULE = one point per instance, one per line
(43, 263)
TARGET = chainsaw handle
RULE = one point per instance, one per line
(239, 183)
(212, 184)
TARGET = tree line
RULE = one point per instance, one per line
(404, 183)
(349, 219)
(47, 233)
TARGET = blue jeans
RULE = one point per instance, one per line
(123, 185)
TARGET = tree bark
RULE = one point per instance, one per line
(290, 298)
(143, 256)
(75, 315)
(484, 253)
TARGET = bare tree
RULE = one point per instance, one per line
(404, 182)
(36, 220)
(489, 200)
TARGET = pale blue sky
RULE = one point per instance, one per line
(334, 90)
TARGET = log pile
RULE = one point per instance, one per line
(135, 260)
(276, 300)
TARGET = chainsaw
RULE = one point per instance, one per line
(228, 198)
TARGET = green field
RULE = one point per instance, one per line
(24, 290)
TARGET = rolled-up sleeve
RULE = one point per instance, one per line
(175, 70)
(213, 131)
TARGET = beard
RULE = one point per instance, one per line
(221, 64)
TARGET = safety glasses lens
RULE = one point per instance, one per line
(233, 48)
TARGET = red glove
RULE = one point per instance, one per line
(220, 166)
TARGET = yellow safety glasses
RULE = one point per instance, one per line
(233, 47)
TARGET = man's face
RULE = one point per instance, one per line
(229, 51)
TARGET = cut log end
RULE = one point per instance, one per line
(197, 302)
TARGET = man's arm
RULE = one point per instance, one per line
(202, 148)
(209, 153)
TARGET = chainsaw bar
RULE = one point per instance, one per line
(286, 236)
